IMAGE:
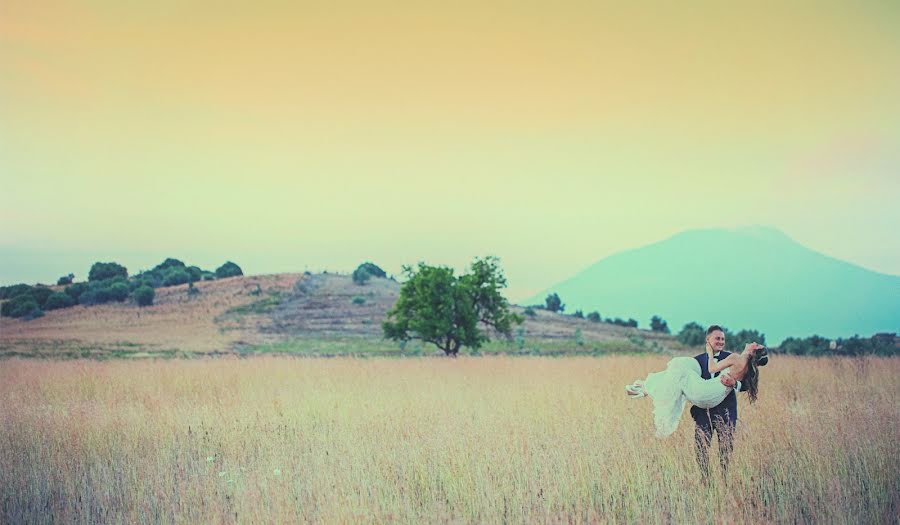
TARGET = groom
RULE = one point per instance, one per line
(722, 418)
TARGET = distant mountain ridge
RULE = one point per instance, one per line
(754, 277)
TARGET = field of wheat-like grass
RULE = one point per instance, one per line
(487, 440)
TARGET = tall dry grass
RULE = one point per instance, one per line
(490, 439)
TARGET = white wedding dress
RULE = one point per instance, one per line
(680, 382)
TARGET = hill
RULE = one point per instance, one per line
(319, 314)
(754, 277)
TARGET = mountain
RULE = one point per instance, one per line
(755, 277)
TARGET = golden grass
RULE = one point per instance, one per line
(494, 439)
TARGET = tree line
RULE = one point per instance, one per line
(107, 282)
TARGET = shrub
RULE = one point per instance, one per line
(8, 292)
(578, 314)
(529, 311)
(167, 264)
(373, 269)
(195, 272)
(40, 294)
(192, 290)
(74, 291)
(18, 306)
(208, 276)
(88, 298)
(554, 303)
(692, 335)
(118, 292)
(594, 317)
(229, 269)
(101, 271)
(359, 300)
(33, 314)
(658, 324)
(176, 276)
(361, 276)
(66, 279)
(144, 295)
(59, 300)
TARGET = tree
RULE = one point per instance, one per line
(594, 317)
(578, 314)
(65, 279)
(692, 335)
(658, 324)
(437, 307)
(100, 271)
(554, 303)
(229, 269)
(144, 295)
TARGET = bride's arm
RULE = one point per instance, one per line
(732, 359)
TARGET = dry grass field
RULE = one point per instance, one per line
(485, 440)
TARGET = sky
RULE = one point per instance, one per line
(292, 136)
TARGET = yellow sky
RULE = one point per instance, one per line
(298, 135)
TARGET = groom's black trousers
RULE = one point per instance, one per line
(722, 422)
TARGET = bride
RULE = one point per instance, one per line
(682, 381)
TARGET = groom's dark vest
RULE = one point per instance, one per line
(727, 409)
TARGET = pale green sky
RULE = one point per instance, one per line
(292, 136)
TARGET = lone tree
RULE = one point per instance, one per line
(437, 307)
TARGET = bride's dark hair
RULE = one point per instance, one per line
(752, 379)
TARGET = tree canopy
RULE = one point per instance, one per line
(438, 307)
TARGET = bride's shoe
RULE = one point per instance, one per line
(635, 390)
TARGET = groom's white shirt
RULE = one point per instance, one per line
(737, 384)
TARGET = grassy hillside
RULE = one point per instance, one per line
(321, 314)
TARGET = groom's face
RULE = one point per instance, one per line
(716, 340)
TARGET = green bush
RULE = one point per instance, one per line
(118, 292)
(59, 300)
(578, 314)
(361, 276)
(373, 269)
(101, 271)
(176, 276)
(692, 335)
(529, 311)
(40, 294)
(66, 279)
(33, 314)
(8, 292)
(594, 317)
(167, 264)
(658, 324)
(359, 300)
(554, 303)
(195, 272)
(74, 291)
(19, 306)
(229, 269)
(144, 296)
